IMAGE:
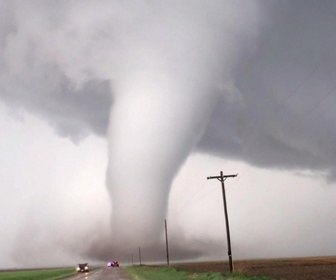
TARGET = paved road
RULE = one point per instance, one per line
(114, 273)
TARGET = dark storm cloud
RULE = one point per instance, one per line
(32, 80)
(272, 123)
(284, 117)
(74, 113)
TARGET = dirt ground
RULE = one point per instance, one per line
(319, 268)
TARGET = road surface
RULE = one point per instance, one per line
(113, 273)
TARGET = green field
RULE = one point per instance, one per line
(39, 274)
(168, 273)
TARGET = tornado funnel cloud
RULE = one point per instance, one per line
(168, 80)
(146, 149)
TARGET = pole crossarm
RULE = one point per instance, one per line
(222, 177)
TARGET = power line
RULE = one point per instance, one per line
(190, 200)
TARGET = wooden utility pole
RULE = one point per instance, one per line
(167, 250)
(140, 255)
(222, 178)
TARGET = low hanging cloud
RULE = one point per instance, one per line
(54, 58)
(284, 117)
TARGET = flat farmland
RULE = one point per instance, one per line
(284, 269)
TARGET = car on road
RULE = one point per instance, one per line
(113, 264)
(83, 267)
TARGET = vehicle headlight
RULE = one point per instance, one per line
(78, 268)
(86, 267)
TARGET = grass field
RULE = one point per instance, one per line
(38, 274)
(310, 268)
(284, 269)
(168, 273)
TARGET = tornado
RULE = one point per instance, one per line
(150, 135)
(169, 77)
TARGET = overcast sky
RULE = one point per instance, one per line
(114, 113)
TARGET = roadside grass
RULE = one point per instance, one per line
(38, 274)
(168, 273)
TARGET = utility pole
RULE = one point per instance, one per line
(167, 243)
(222, 178)
(140, 255)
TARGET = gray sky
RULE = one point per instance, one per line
(114, 106)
